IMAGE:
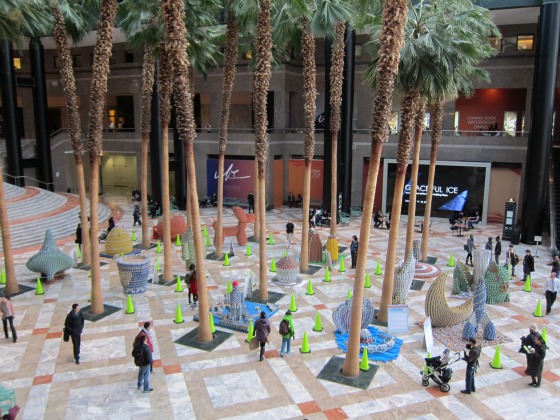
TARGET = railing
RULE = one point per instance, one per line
(444, 132)
(35, 182)
(552, 205)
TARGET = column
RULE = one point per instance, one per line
(347, 117)
(155, 142)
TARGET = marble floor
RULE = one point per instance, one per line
(230, 382)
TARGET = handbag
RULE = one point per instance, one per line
(465, 247)
(65, 335)
(253, 344)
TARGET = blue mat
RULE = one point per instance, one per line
(251, 308)
(342, 340)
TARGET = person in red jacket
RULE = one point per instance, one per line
(146, 333)
(193, 286)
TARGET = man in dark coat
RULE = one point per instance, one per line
(145, 361)
(74, 325)
(498, 250)
(262, 330)
(536, 362)
(251, 201)
(528, 264)
(472, 365)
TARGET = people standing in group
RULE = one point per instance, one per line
(262, 331)
(512, 258)
(469, 247)
(193, 285)
(144, 361)
(354, 250)
(136, 216)
(74, 325)
(528, 264)
(498, 250)
(288, 335)
(289, 231)
(291, 200)
(145, 332)
(536, 362)
(251, 201)
(551, 287)
(472, 365)
(529, 341)
(7, 309)
(489, 246)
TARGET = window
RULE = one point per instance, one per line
(17, 63)
(525, 42)
(128, 57)
(77, 60)
(358, 50)
(495, 42)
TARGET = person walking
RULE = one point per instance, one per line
(289, 231)
(556, 265)
(551, 286)
(472, 365)
(469, 247)
(262, 331)
(79, 234)
(193, 286)
(512, 258)
(7, 309)
(498, 250)
(291, 199)
(536, 362)
(143, 358)
(251, 201)
(136, 216)
(74, 325)
(354, 250)
(144, 331)
(287, 331)
(529, 341)
(489, 246)
(528, 264)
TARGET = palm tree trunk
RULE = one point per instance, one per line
(167, 243)
(11, 280)
(98, 93)
(148, 73)
(408, 107)
(144, 192)
(418, 126)
(304, 254)
(218, 233)
(82, 196)
(436, 137)
(263, 269)
(337, 69)
(256, 209)
(392, 37)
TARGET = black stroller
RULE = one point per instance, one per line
(437, 369)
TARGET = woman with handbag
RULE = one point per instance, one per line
(262, 330)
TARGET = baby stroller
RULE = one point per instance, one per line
(437, 368)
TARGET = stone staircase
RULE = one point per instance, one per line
(32, 211)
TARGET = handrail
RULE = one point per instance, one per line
(552, 205)
(37, 182)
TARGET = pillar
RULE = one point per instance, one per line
(347, 117)
(155, 142)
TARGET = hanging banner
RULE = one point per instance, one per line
(238, 177)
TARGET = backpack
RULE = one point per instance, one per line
(284, 328)
(515, 259)
(138, 354)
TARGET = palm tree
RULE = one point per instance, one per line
(391, 38)
(74, 10)
(176, 48)
(98, 93)
(230, 59)
(12, 285)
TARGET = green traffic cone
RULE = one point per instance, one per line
(293, 307)
(133, 237)
(310, 291)
(205, 232)
(538, 311)
(378, 271)
(158, 266)
(364, 364)
(179, 286)
(327, 278)
(527, 287)
(248, 251)
(318, 327)
(273, 265)
(79, 250)
(226, 260)
(207, 243)
(451, 262)
(342, 269)
(178, 241)
(178, 315)
(212, 327)
(250, 333)
(3, 276)
(285, 253)
(367, 283)
(229, 287)
(349, 295)
(129, 306)
(543, 334)
(270, 239)
(158, 248)
(496, 362)
(39, 290)
(305, 345)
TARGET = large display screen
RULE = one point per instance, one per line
(456, 188)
